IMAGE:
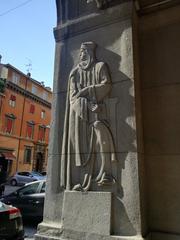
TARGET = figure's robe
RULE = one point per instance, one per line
(79, 138)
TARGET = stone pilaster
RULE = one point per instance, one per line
(111, 29)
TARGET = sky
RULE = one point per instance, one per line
(26, 37)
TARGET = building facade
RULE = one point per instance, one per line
(25, 110)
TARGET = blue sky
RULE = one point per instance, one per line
(27, 36)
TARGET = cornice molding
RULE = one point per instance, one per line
(16, 88)
(29, 78)
(72, 28)
(23, 139)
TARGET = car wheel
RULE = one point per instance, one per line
(13, 182)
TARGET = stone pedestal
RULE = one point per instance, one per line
(87, 212)
(109, 211)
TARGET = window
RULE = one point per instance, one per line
(3, 72)
(32, 108)
(31, 189)
(27, 155)
(9, 123)
(2, 85)
(43, 114)
(15, 78)
(34, 90)
(30, 129)
(12, 101)
(43, 189)
(27, 174)
(45, 96)
(41, 135)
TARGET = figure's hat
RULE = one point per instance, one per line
(88, 45)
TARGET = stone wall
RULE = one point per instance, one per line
(159, 72)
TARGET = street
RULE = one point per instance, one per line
(30, 226)
(30, 230)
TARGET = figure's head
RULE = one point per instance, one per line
(87, 53)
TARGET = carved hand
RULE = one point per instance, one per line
(94, 107)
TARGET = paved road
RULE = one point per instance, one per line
(30, 227)
(9, 189)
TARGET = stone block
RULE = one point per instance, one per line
(87, 212)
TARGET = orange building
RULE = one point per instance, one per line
(25, 111)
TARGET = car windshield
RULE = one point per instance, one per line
(29, 189)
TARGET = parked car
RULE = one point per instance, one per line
(21, 178)
(44, 173)
(11, 225)
(29, 199)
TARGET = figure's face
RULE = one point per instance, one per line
(83, 54)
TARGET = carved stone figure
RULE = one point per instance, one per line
(100, 3)
(87, 139)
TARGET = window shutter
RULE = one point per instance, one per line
(29, 131)
(13, 98)
(41, 135)
(9, 125)
(32, 108)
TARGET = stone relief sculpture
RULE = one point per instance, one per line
(100, 3)
(87, 141)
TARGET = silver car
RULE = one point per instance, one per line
(21, 178)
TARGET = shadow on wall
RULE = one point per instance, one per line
(124, 138)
